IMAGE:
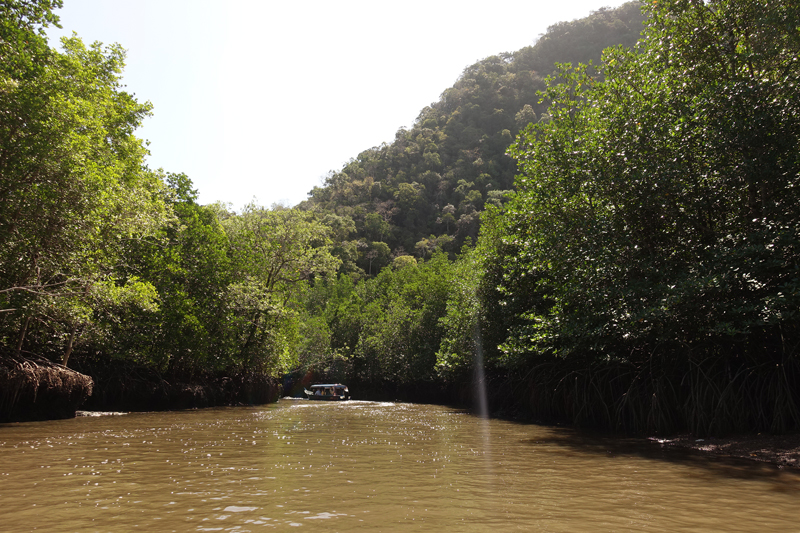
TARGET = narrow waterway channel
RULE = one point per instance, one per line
(321, 466)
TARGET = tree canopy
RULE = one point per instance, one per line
(635, 221)
(425, 191)
(102, 257)
(655, 220)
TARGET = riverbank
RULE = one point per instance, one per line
(39, 389)
(780, 450)
(123, 386)
(34, 388)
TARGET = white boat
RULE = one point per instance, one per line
(330, 392)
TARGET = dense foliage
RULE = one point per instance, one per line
(384, 329)
(406, 307)
(641, 271)
(74, 191)
(643, 274)
(654, 232)
(103, 258)
(425, 190)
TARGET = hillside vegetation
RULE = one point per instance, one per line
(425, 190)
(642, 271)
(616, 245)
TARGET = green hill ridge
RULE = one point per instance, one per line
(425, 190)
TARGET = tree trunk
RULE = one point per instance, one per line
(253, 329)
(22, 335)
(69, 346)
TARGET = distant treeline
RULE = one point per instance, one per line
(618, 241)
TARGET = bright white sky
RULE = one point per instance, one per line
(259, 99)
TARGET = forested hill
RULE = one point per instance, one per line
(425, 190)
(643, 275)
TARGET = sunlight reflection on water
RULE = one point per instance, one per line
(370, 466)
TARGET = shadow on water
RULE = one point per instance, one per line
(704, 463)
(584, 441)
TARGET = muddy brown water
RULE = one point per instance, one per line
(366, 466)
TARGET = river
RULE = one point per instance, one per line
(367, 466)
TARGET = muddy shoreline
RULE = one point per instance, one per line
(35, 388)
(782, 451)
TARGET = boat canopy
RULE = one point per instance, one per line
(329, 385)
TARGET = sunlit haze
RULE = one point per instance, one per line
(260, 99)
